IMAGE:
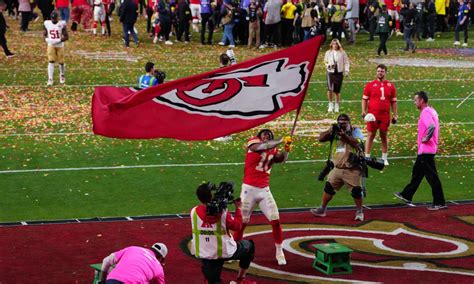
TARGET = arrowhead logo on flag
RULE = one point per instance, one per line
(211, 104)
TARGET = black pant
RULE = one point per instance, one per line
(272, 33)
(431, 25)
(383, 43)
(425, 166)
(165, 29)
(372, 27)
(207, 20)
(337, 29)
(183, 27)
(149, 13)
(286, 32)
(3, 44)
(459, 28)
(212, 268)
(25, 20)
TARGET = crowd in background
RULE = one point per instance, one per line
(263, 23)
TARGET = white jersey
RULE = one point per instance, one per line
(211, 241)
(54, 32)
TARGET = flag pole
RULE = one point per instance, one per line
(307, 86)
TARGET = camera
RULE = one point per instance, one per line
(325, 171)
(160, 76)
(360, 159)
(222, 196)
(336, 128)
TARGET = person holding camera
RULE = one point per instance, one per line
(337, 66)
(148, 80)
(262, 153)
(428, 138)
(135, 265)
(379, 96)
(344, 168)
(212, 241)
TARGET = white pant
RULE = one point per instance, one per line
(251, 196)
(99, 14)
(195, 11)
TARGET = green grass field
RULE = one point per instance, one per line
(52, 167)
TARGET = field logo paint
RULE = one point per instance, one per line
(393, 243)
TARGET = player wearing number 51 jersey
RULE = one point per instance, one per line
(379, 96)
(55, 34)
(261, 154)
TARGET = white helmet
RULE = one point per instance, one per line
(369, 117)
(160, 248)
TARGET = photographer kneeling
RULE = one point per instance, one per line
(212, 242)
(345, 167)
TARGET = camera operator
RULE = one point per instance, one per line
(345, 159)
(213, 243)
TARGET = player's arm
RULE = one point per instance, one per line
(365, 99)
(45, 33)
(429, 133)
(65, 35)
(262, 146)
(106, 264)
(234, 223)
(325, 135)
(394, 105)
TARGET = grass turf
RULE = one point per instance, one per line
(59, 118)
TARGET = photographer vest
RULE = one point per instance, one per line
(342, 150)
(211, 240)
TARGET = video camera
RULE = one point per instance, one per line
(221, 196)
(336, 128)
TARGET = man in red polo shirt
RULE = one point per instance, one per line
(379, 96)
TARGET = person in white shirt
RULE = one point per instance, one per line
(55, 34)
(337, 66)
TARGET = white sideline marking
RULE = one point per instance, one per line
(269, 123)
(464, 100)
(403, 101)
(194, 165)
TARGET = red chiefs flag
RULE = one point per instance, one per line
(212, 104)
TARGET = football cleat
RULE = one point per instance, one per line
(62, 79)
(50, 82)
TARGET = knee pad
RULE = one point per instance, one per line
(329, 189)
(356, 192)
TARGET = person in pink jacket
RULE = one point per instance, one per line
(428, 139)
(24, 8)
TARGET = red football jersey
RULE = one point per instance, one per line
(258, 165)
(380, 96)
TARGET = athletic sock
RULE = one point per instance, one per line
(50, 70)
(384, 156)
(62, 69)
(277, 232)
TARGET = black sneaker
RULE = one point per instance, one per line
(437, 207)
(400, 196)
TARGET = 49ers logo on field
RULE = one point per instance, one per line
(245, 93)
